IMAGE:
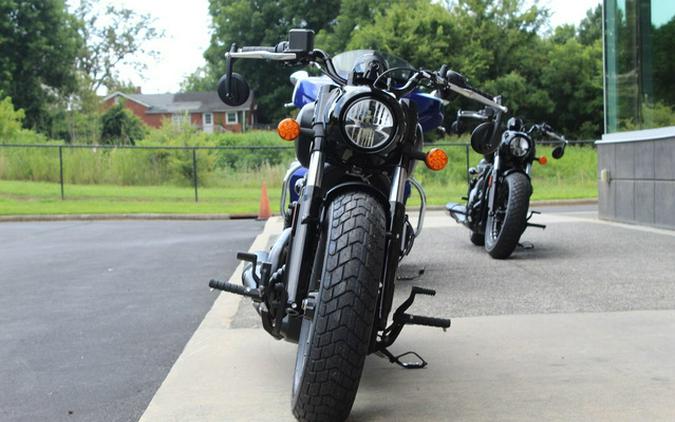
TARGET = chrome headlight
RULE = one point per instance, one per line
(519, 146)
(369, 124)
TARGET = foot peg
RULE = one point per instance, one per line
(424, 320)
(401, 318)
(250, 281)
(236, 289)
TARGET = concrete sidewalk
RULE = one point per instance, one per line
(601, 366)
(560, 366)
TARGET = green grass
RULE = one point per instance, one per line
(44, 198)
(572, 177)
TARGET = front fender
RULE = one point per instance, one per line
(516, 170)
(358, 186)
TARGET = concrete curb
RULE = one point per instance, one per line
(209, 217)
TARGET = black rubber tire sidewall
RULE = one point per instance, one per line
(477, 239)
(345, 309)
(519, 191)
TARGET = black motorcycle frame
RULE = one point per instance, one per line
(498, 164)
(282, 291)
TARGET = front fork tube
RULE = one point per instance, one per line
(492, 186)
(310, 201)
(394, 239)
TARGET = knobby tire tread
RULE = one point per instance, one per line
(515, 220)
(345, 311)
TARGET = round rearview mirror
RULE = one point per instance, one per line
(482, 138)
(233, 92)
(558, 152)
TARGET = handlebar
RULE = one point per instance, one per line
(279, 53)
(261, 54)
(465, 114)
(479, 96)
(443, 83)
(258, 48)
(548, 131)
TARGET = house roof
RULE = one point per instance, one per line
(190, 102)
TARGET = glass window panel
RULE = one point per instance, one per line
(639, 70)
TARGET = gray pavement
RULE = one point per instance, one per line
(576, 265)
(94, 314)
(578, 328)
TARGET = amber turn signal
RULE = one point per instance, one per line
(436, 159)
(288, 129)
(542, 160)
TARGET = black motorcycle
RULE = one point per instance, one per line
(328, 281)
(498, 200)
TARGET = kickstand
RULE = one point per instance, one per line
(526, 245)
(407, 365)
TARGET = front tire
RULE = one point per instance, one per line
(504, 227)
(333, 345)
(477, 239)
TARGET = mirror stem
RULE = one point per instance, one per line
(229, 63)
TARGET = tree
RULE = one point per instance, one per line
(353, 13)
(590, 28)
(251, 22)
(39, 44)
(497, 44)
(10, 121)
(120, 126)
(426, 38)
(572, 74)
(114, 37)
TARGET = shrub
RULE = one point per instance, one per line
(119, 126)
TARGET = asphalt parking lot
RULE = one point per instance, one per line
(96, 316)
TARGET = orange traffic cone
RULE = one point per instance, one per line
(264, 211)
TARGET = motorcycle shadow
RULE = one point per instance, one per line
(389, 393)
(528, 250)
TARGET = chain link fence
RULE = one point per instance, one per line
(193, 167)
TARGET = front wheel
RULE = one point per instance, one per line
(477, 239)
(507, 221)
(333, 344)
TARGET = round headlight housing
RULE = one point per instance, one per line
(519, 146)
(369, 124)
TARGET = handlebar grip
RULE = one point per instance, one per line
(258, 48)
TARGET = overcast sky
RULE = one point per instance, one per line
(186, 24)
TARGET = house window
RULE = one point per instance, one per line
(208, 119)
(179, 119)
(231, 117)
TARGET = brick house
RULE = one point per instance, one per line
(201, 109)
